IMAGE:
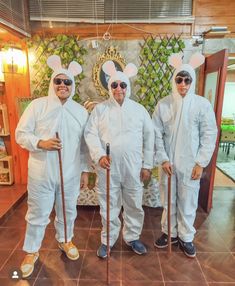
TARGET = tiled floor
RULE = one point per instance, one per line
(10, 196)
(213, 265)
(226, 162)
(222, 180)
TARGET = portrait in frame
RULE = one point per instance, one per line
(99, 77)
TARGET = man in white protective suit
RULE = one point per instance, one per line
(185, 136)
(36, 132)
(127, 126)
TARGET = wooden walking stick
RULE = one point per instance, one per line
(108, 210)
(169, 215)
(62, 191)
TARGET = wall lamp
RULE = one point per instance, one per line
(14, 60)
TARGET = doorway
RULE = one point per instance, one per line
(226, 154)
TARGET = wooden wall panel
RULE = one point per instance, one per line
(214, 13)
(216, 8)
(118, 31)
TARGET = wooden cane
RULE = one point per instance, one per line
(169, 215)
(62, 191)
(108, 210)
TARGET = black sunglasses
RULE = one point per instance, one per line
(114, 85)
(186, 80)
(58, 81)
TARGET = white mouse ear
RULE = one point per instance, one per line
(54, 62)
(196, 60)
(74, 68)
(130, 70)
(175, 60)
(109, 68)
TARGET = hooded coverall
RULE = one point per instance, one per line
(185, 135)
(41, 120)
(128, 129)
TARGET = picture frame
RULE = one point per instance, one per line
(99, 77)
(3, 151)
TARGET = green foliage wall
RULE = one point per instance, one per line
(66, 46)
(154, 75)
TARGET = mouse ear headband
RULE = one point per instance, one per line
(54, 62)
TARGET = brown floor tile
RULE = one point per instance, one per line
(96, 222)
(98, 283)
(11, 282)
(186, 284)
(221, 284)
(15, 261)
(147, 222)
(155, 211)
(179, 268)
(57, 266)
(55, 282)
(10, 237)
(141, 268)
(4, 254)
(209, 241)
(217, 267)
(156, 220)
(93, 239)
(136, 283)
(95, 268)
(84, 217)
(17, 219)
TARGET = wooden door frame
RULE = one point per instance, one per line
(222, 73)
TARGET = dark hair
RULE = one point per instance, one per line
(184, 74)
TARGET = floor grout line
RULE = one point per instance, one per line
(78, 278)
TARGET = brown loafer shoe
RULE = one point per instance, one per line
(69, 249)
(27, 266)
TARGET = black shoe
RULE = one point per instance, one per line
(188, 248)
(137, 246)
(162, 242)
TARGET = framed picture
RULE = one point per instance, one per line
(99, 77)
(3, 151)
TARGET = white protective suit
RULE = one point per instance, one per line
(128, 129)
(185, 134)
(41, 120)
